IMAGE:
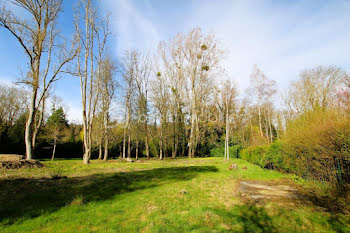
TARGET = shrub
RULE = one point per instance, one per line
(275, 157)
(317, 145)
(254, 154)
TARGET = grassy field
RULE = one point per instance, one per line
(181, 195)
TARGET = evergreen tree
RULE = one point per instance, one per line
(56, 124)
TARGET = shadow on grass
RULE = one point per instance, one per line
(253, 218)
(330, 202)
(30, 198)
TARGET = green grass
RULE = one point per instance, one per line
(181, 195)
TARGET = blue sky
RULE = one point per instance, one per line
(281, 37)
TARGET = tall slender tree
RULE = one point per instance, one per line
(108, 86)
(41, 40)
(263, 89)
(92, 32)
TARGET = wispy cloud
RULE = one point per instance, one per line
(281, 38)
(6, 81)
(133, 28)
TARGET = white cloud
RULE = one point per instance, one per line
(6, 81)
(133, 29)
(73, 114)
(72, 107)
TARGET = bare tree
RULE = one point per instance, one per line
(196, 59)
(129, 69)
(226, 104)
(13, 103)
(39, 37)
(160, 96)
(108, 85)
(89, 27)
(142, 81)
(263, 89)
(316, 88)
(173, 61)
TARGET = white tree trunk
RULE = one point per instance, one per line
(29, 125)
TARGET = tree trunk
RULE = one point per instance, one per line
(29, 124)
(227, 154)
(54, 149)
(129, 142)
(251, 129)
(106, 135)
(90, 140)
(137, 149)
(146, 138)
(37, 127)
(100, 150)
(191, 141)
(196, 137)
(124, 142)
(269, 116)
(105, 157)
(100, 145)
(86, 158)
(267, 130)
(174, 152)
(129, 128)
(260, 124)
(161, 140)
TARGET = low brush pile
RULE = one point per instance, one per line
(21, 164)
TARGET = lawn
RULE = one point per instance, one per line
(174, 195)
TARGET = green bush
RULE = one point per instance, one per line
(254, 154)
(272, 156)
(275, 156)
(220, 151)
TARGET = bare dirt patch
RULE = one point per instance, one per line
(288, 194)
(280, 192)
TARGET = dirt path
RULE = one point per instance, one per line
(279, 192)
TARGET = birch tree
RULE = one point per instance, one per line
(262, 88)
(226, 104)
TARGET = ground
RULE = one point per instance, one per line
(174, 195)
